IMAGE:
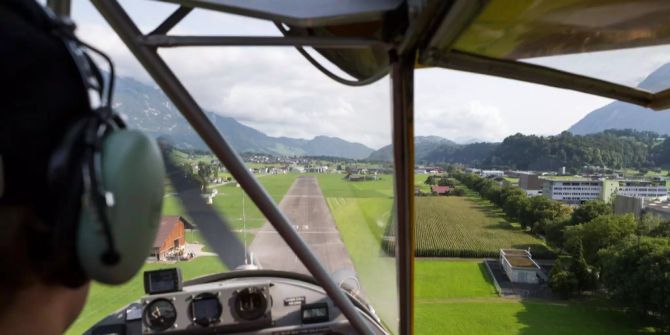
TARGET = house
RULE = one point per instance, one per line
(439, 190)
(520, 267)
(170, 239)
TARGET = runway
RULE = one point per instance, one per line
(308, 211)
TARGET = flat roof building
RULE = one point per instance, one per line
(577, 191)
(520, 267)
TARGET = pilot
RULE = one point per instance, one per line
(41, 96)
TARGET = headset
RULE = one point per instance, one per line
(108, 182)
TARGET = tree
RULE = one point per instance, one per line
(584, 274)
(599, 233)
(553, 232)
(662, 230)
(590, 210)
(457, 192)
(636, 274)
(648, 222)
(561, 280)
(541, 211)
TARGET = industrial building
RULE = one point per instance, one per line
(577, 191)
(530, 182)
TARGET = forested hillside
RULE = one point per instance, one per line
(611, 148)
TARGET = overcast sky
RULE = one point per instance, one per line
(279, 93)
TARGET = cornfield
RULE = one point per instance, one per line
(463, 227)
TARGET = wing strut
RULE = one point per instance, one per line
(126, 29)
(402, 95)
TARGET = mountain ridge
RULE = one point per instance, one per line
(148, 109)
(622, 115)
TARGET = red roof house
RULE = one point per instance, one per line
(439, 189)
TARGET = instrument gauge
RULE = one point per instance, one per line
(205, 309)
(251, 303)
(160, 315)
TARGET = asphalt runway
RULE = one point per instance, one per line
(308, 211)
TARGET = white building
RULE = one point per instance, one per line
(492, 173)
(643, 189)
(573, 191)
(577, 191)
(520, 266)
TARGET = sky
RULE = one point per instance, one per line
(278, 92)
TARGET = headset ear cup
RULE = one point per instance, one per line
(132, 172)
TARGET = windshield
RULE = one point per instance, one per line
(300, 136)
(531, 202)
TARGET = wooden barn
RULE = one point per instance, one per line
(170, 239)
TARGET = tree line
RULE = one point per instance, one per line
(614, 149)
(625, 257)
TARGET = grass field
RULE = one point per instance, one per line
(104, 299)
(440, 279)
(464, 227)
(229, 200)
(458, 298)
(362, 211)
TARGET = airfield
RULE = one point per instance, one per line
(452, 295)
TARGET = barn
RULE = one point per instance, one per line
(520, 267)
(170, 239)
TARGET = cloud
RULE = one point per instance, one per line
(279, 93)
(465, 122)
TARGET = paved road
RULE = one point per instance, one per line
(308, 211)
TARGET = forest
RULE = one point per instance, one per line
(613, 149)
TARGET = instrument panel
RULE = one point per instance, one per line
(216, 307)
(249, 305)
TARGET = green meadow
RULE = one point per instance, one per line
(228, 201)
(457, 297)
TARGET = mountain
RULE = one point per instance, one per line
(148, 109)
(423, 145)
(621, 115)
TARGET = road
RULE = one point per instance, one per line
(308, 211)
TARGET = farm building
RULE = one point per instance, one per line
(170, 238)
(520, 267)
(439, 190)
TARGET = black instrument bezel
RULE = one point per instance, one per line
(147, 309)
(205, 321)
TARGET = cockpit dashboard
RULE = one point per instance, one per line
(236, 302)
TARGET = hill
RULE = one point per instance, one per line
(423, 146)
(621, 115)
(611, 148)
(148, 109)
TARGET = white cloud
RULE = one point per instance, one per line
(461, 122)
(278, 92)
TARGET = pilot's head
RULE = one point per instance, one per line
(42, 95)
(80, 194)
